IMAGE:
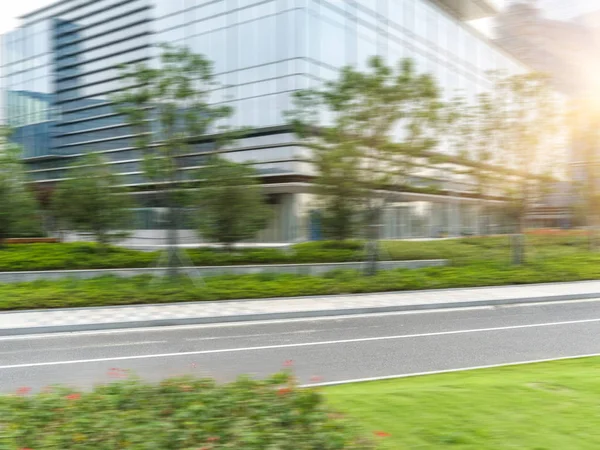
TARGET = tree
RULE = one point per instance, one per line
(529, 131)
(231, 204)
(18, 212)
(473, 135)
(372, 129)
(339, 196)
(168, 108)
(90, 200)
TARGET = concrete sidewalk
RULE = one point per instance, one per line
(104, 318)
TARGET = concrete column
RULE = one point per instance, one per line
(289, 219)
(455, 218)
(430, 220)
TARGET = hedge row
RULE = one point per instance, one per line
(183, 413)
(139, 290)
(75, 256)
(460, 251)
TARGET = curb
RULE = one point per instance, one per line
(289, 315)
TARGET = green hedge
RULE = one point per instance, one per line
(119, 291)
(465, 251)
(75, 256)
(183, 413)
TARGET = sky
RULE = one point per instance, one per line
(12, 9)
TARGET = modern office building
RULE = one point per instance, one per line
(61, 66)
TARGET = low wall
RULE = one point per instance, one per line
(206, 271)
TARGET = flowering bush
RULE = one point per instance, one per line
(183, 413)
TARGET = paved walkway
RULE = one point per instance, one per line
(77, 319)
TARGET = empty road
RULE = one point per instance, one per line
(328, 349)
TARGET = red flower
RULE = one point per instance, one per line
(73, 396)
(117, 373)
(213, 439)
(283, 391)
(23, 390)
(288, 363)
(381, 434)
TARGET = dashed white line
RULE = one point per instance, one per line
(298, 345)
(85, 347)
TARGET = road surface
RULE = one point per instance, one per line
(328, 349)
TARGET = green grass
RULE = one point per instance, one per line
(473, 262)
(74, 256)
(543, 406)
(109, 290)
(467, 251)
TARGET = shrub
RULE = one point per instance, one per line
(182, 413)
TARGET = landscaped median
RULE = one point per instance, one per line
(553, 405)
(474, 262)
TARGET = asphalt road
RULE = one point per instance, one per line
(330, 349)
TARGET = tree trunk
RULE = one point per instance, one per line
(372, 241)
(518, 243)
(481, 219)
(592, 223)
(172, 240)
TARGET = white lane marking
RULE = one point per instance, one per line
(341, 317)
(169, 328)
(272, 335)
(302, 344)
(439, 372)
(60, 349)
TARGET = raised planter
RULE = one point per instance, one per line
(39, 240)
(206, 271)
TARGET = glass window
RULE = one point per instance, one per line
(200, 44)
(409, 15)
(123, 155)
(246, 47)
(90, 124)
(461, 43)
(106, 39)
(100, 145)
(93, 90)
(219, 50)
(110, 62)
(259, 10)
(172, 36)
(164, 23)
(420, 20)
(166, 7)
(93, 135)
(92, 8)
(333, 44)
(119, 47)
(91, 78)
(366, 45)
(137, 9)
(209, 9)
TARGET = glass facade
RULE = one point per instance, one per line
(60, 68)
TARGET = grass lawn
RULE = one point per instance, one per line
(544, 406)
(493, 251)
(473, 262)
